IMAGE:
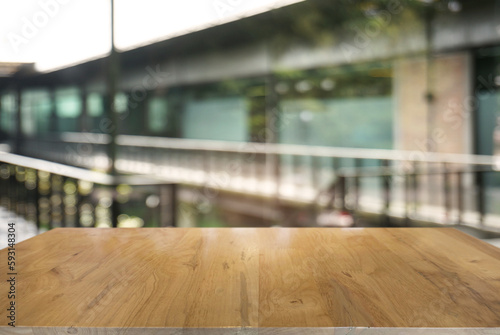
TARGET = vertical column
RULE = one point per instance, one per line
(356, 182)
(342, 192)
(176, 106)
(447, 193)
(1, 112)
(112, 80)
(145, 116)
(163, 194)
(173, 204)
(460, 197)
(83, 121)
(115, 208)
(53, 126)
(386, 185)
(37, 200)
(480, 196)
(111, 126)
(407, 182)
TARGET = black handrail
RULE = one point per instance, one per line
(49, 193)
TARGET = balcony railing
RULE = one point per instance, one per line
(409, 185)
(55, 195)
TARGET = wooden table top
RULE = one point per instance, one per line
(253, 280)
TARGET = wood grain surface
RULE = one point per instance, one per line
(252, 280)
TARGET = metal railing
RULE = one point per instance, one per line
(454, 200)
(414, 185)
(55, 195)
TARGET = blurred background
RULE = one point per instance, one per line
(238, 113)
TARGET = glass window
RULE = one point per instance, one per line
(231, 110)
(95, 105)
(121, 101)
(158, 115)
(43, 107)
(35, 110)
(337, 107)
(95, 111)
(68, 109)
(7, 115)
(216, 119)
(487, 88)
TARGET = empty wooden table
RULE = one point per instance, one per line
(253, 281)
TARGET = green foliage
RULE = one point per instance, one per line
(325, 22)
